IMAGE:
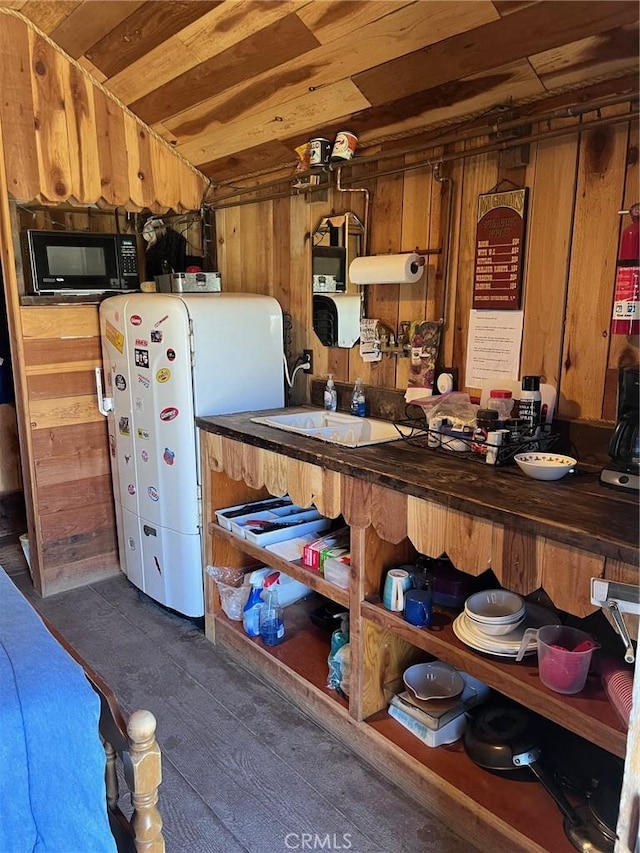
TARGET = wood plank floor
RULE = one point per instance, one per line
(243, 770)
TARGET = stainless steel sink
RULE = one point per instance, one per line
(335, 427)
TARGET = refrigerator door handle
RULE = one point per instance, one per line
(105, 404)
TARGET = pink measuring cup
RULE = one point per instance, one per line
(564, 656)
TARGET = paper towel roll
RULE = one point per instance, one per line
(386, 269)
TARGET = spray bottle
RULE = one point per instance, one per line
(271, 620)
(251, 610)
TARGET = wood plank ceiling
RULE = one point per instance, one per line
(236, 85)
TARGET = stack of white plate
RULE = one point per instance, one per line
(507, 645)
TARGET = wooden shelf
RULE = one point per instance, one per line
(298, 663)
(294, 569)
(522, 811)
(588, 714)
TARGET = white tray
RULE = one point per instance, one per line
(226, 515)
(241, 524)
(308, 526)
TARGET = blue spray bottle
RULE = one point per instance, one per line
(251, 610)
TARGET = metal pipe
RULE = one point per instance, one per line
(445, 158)
(367, 199)
(437, 174)
(563, 112)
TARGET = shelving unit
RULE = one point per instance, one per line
(492, 810)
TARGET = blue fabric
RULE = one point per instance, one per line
(52, 788)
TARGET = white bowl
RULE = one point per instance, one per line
(545, 466)
(496, 629)
(495, 606)
(435, 680)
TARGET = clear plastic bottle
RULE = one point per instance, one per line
(358, 401)
(252, 609)
(271, 619)
(502, 402)
(530, 405)
(330, 395)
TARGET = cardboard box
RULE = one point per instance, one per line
(312, 554)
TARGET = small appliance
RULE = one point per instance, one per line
(336, 318)
(623, 472)
(189, 282)
(79, 262)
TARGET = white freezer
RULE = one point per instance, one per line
(167, 359)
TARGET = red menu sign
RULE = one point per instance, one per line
(497, 282)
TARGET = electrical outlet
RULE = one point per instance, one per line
(307, 358)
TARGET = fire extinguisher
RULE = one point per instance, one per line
(626, 301)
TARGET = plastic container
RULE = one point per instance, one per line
(271, 618)
(251, 610)
(564, 657)
(330, 395)
(530, 404)
(502, 402)
(337, 570)
(358, 402)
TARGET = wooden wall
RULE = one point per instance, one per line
(578, 183)
(63, 139)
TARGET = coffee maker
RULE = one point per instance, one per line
(623, 472)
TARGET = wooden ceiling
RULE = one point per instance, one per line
(236, 85)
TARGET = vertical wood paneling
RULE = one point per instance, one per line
(64, 138)
(600, 191)
(551, 203)
(16, 109)
(480, 176)
(623, 350)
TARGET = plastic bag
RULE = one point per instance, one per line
(231, 588)
(456, 408)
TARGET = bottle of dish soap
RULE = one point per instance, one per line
(358, 402)
(251, 610)
(330, 395)
(271, 620)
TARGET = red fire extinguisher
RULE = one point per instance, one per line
(626, 301)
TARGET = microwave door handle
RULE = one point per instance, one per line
(105, 404)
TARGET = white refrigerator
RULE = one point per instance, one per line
(167, 359)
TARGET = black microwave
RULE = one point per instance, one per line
(79, 262)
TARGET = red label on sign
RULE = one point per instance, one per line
(135, 319)
(169, 414)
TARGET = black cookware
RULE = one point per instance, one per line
(501, 737)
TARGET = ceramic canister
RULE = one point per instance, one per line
(319, 151)
(344, 146)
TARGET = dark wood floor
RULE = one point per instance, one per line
(243, 770)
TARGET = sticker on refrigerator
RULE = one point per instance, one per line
(141, 342)
(145, 455)
(160, 321)
(135, 320)
(171, 355)
(144, 433)
(144, 380)
(112, 445)
(127, 458)
(169, 414)
(123, 426)
(131, 489)
(159, 570)
(132, 543)
(156, 336)
(141, 357)
(168, 456)
(153, 494)
(115, 338)
(163, 375)
(120, 382)
(138, 405)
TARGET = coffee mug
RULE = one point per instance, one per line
(417, 607)
(396, 583)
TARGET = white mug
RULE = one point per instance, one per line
(396, 583)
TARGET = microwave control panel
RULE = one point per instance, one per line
(128, 257)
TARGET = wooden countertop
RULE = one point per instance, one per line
(576, 510)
